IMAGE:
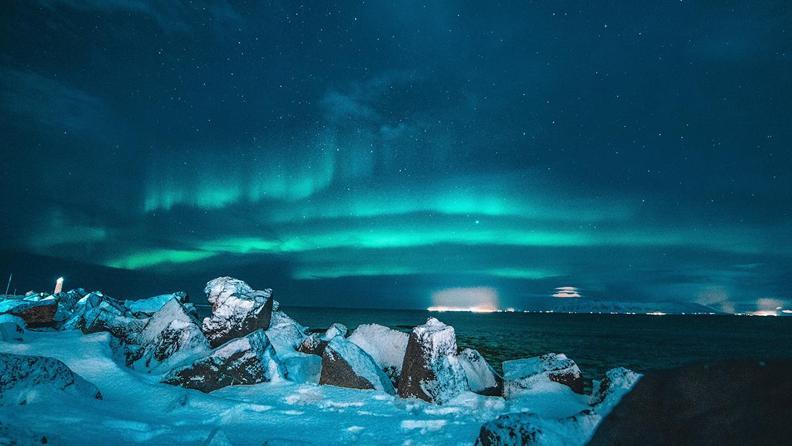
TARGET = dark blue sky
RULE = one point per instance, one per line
(381, 153)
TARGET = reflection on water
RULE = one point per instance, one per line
(595, 342)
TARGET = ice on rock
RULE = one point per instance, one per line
(247, 360)
(335, 330)
(523, 374)
(481, 377)
(237, 310)
(147, 307)
(302, 367)
(344, 364)
(170, 336)
(431, 370)
(23, 378)
(608, 392)
(385, 345)
(12, 328)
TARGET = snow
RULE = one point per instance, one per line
(151, 305)
(12, 328)
(521, 374)
(25, 379)
(361, 363)
(480, 376)
(386, 346)
(335, 330)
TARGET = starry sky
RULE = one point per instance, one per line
(378, 154)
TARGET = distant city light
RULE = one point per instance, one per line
(475, 309)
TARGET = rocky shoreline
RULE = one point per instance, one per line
(247, 340)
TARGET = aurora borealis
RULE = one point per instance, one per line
(377, 153)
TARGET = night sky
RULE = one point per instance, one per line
(380, 154)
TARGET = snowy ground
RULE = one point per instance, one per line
(138, 409)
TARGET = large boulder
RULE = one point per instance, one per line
(36, 314)
(523, 374)
(237, 310)
(148, 306)
(313, 344)
(12, 328)
(431, 370)
(734, 403)
(171, 335)
(75, 318)
(344, 364)
(246, 360)
(481, 377)
(67, 301)
(121, 326)
(23, 378)
(512, 429)
(385, 345)
(609, 391)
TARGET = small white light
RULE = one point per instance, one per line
(58, 285)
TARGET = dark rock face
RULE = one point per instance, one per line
(344, 364)
(36, 314)
(237, 310)
(103, 319)
(22, 376)
(521, 374)
(247, 360)
(510, 429)
(431, 370)
(736, 403)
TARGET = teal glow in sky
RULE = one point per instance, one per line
(377, 153)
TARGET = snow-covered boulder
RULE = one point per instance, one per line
(285, 336)
(313, 344)
(609, 391)
(12, 328)
(247, 360)
(512, 429)
(344, 364)
(24, 378)
(121, 326)
(76, 316)
(431, 370)
(39, 313)
(170, 336)
(522, 374)
(148, 306)
(481, 377)
(237, 310)
(67, 301)
(385, 345)
(336, 329)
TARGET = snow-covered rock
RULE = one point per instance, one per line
(522, 374)
(148, 306)
(344, 364)
(237, 310)
(39, 313)
(67, 301)
(76, 316)
(285, 336)
(247, 360)
(385, 345)
(335, 330)
(121, 326)
(170, 336)
(313, 344)
(431, 370)
(608, 392)
(12, 328)
(26, 378)
(481, 377)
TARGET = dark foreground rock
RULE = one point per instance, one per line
(247, 360)
(512, 429)
(24, 377)
(721, 404)
(344, 364)
(237, 310)
(524, 374)
(431, 370)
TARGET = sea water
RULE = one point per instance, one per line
(596, 342)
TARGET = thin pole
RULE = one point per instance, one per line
(8, 286)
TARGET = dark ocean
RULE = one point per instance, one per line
(596, 342)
